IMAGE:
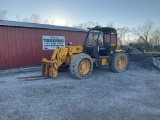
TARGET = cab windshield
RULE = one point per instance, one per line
(92, 37)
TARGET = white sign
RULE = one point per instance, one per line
(51, 42)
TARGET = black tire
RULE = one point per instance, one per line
(97, 64)
(117, 66)
(76, 66)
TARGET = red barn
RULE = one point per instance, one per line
(21, 42)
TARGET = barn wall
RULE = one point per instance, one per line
(21, 47)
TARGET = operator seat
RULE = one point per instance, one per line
(104, 50)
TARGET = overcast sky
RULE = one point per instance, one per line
(129, 13)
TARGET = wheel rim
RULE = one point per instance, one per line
(84, 67)
(121, 63)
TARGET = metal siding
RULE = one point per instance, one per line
(14, 48)
(6, 50)
(21, 47)
(26, 41)
(39, 37)
(32, 46)
(39, 46)
(2, 49)
(10, 47)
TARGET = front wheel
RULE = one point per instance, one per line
(119, 62)
(81, 66)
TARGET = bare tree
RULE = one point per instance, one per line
(144, 31)
(156, 36)
(80, 26)
(86, 25)
(122, 33)
(3, 14)
(90, 24)
(45, 21)
(18, 18)
(25, 20)
(34, 18)
(66, 24)
(52, 21)
(110, 24)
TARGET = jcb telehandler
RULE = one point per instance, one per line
(100, 49)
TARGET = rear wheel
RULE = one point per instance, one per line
(81, 66)
(119, 62)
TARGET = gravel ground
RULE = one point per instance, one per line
(133, 94)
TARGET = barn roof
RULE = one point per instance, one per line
(36, 25)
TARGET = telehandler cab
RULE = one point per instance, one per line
(100, 49)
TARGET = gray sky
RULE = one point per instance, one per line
(129, 13)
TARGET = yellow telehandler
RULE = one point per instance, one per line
(100, 49)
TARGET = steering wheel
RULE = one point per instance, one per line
(99, 42)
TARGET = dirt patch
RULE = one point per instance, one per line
(131, 50)
(141, 59)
